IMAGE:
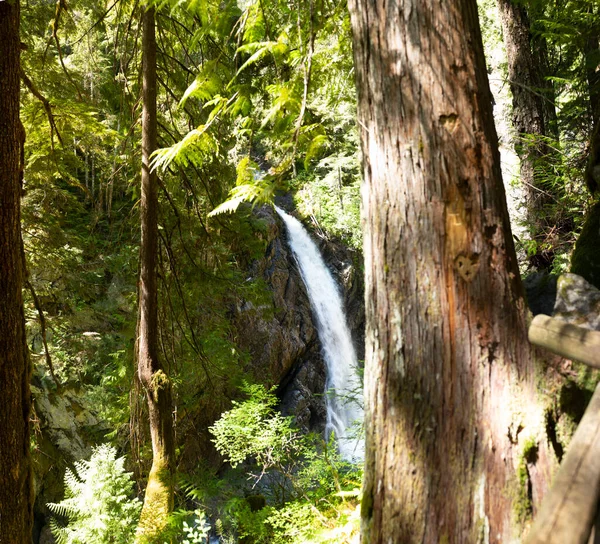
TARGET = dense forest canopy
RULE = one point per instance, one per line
(149, 283)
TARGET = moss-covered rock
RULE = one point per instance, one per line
(586, 256)
(577, 302)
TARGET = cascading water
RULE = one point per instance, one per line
(344, 398)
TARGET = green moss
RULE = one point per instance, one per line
(366, 506)
(530, 450)
(523, 507)
(158, 504)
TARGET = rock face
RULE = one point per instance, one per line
(577, 302)
(279, 335)
(281, 338)
(64, 430)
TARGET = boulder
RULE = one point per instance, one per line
(577, 301)
(540, 289)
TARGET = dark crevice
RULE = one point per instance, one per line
(551, 432)
(529, 490)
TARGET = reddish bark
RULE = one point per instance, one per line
(449, 374)
(16, 493)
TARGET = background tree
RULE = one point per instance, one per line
(16, 486)
(528, 114)
(592, 65)
(448, 371)
(158, 500)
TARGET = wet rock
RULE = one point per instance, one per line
(281, 336)
(302, 395)
(64, 430)
(280, 333)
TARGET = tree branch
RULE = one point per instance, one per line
(47, 106)
(60, 5)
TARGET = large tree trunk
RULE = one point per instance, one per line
(451, 410)
(158, 501)
(526, 84)
(16, 494)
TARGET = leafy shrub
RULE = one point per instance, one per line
(316, 493)
(98, 508)
(254, 429)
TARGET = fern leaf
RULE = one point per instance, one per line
(264, 49)
(60, 533)
(255, 193)
(315, 148)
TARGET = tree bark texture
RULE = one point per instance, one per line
(449, 393)
(158, 500)
(526, 84)
(16, 493)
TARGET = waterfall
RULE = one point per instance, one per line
(343, 387)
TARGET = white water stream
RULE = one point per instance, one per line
(343, 386)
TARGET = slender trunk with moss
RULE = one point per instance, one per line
(456, 450)
(158, 501)
(16, 493)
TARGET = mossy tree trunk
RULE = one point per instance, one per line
(455, 444)
(158, 501)
(16, 494)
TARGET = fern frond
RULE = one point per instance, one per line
(261, 49)
(257, 192)
(192, 149)
(60, 533)
(62, 509)
(316, 146)
(206, 85)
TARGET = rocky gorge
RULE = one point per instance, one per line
(283, 350)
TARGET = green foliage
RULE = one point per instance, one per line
(319, 502)
(288, 94)
(254, 429)
(251, 186)
(196, 531)
(97, 507)
(187, 527)
(331, 197)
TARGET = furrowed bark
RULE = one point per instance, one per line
(449, 374)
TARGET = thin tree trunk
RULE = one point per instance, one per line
(158, 501)
(592, 58)
(451, 410)
(592, 62)
(548, 94)
(16, 493)
(528, 105)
